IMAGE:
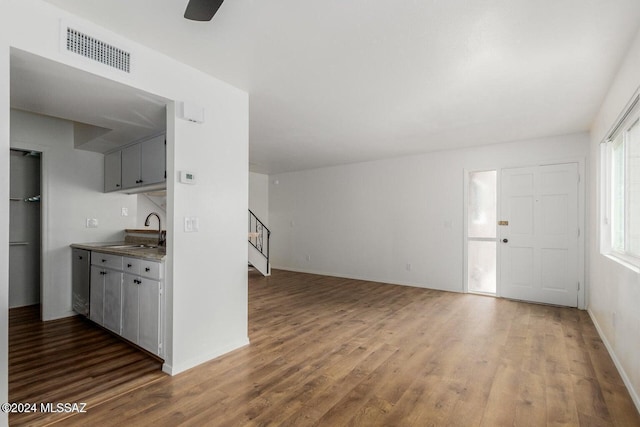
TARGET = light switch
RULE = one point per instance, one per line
(191, 224)
(124, 212)
(92, 223)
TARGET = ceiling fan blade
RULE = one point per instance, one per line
(202, 10)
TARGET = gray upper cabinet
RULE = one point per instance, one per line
(112, 171)
(141, 164)
(153, 161)
(131, 166)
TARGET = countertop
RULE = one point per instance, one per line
(154, 254)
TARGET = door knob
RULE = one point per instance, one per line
(505, 240)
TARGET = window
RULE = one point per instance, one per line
(621, 170)
(481, 232)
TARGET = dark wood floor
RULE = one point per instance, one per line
(69, 361)
(334, 352)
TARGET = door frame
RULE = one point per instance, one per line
(45, 261)
(581, 163)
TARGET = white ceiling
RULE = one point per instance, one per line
(337, 81)
(106, 114)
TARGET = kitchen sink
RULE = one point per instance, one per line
(132, 246)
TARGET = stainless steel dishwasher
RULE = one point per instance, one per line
(80, 280)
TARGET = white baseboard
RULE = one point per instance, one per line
(621, 371)
(46, 317)
(365, 278)
(181, 367)
(167, 369)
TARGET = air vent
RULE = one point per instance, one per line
(97, 50)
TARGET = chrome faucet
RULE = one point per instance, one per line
(161, 235)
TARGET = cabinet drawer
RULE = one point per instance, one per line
(131, 265)
(106, 260)
(150, 269)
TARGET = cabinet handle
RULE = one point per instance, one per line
(147, 269)
(104, 260)
(117, 185)
(103, 272)
(128, 265)
(79, 256)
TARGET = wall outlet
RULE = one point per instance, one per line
(92, 223)
(124, 212)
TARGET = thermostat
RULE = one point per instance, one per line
(187, 177)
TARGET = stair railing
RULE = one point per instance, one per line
(259, 235)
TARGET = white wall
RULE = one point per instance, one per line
(145, 207)
(259, 196)
(206, 271)
(614, 293)
(4, 214)
(71, 192)
(369, 220)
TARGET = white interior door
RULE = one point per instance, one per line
(539, 246)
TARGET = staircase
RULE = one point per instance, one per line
(259, 245)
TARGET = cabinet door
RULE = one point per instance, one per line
(149, 318)
(96, 305)
(112, 171)
(153, 160)
(131, 166)
(112, 300)
(130, 307)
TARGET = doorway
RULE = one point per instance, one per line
(523, 233)
(481, 232)
(24, 228)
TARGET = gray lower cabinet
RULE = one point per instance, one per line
(106, 299)
(96, 301)
(129, 301)
(112, 300)
(130, 311)
(141, 312)
(149, 332)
